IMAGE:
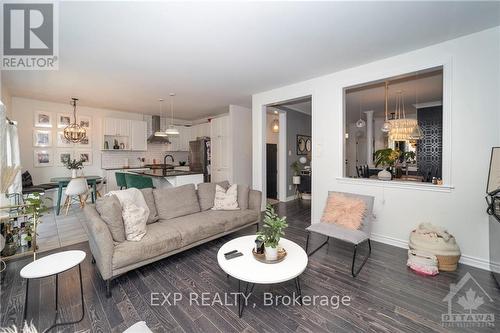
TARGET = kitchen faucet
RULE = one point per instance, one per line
(165, 159)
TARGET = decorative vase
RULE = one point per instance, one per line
(73, 173)
(271, 252)
(384, 175)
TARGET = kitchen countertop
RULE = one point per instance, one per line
(170, 173)
(126, 168)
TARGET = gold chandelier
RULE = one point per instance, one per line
(73, 132)
(401, 128)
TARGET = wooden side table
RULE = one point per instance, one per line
(50, 265)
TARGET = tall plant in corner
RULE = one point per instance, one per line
(272, 231)
(35, 207)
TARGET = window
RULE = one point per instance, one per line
(394, 128)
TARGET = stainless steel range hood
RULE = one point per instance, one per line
(155, 126)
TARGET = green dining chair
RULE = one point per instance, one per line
(138, 181)
(120, 180)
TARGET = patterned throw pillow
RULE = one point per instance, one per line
(226, 200)
(344, 210)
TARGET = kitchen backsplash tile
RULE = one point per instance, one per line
(122, 158)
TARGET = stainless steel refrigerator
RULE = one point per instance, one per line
(199, 157)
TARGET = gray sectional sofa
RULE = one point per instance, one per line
(180, 218)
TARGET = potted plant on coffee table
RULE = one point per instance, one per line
(74, 165)
(273, 229)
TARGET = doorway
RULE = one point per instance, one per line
(272, 170)
(288, 168)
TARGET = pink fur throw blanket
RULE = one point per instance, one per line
(345, 211)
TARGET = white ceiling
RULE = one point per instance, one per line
(125, 55)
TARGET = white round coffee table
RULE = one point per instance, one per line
(50, 265)
(247, 269)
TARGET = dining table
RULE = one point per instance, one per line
(62, 182)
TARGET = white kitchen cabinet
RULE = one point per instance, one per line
(138, 135)
(180, 142)
(221, 149)
(116, 127)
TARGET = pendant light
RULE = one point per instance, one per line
(160, 133)
(416, 133)
(386, 127)
(360, 123)
(73, 132)
(171, 130)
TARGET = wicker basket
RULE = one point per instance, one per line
(447, 263)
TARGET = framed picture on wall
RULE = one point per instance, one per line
(42, 158)
(42, 119)
(86, 155)
(42, 138)
(61, 140)
(86, 142)
(304, 144)
(63, 120)
(63, 156)
(84, 121)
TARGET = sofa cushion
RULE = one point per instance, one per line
(243, 191)
(110, 209)
(206, 193)
(233, 219)
(150, 201)
(195, 227)
(176, 201)
(160, 238)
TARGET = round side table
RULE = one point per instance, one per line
(54, 264)
(250, 271)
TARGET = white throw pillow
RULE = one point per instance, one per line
(135, 212)
(226, 200)
(134, 219)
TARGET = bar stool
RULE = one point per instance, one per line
(138, 181)
(120, 180)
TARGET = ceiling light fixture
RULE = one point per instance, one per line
(73, 132)
(276, 126)
(160, 133)
(171, 130)
(386, 127)
(360, 123)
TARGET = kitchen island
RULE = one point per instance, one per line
(171, 178)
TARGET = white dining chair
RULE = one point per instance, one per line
(76, 187)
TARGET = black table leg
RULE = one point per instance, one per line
(241, 304)
(57, 304)
(26, 302)
(299, 290)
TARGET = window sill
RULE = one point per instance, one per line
(396, 184)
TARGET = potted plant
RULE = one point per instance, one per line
(35, 209)
(74, 166)
(387, 158)
(271, 232)
(296, 171)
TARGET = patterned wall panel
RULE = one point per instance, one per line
(430, 147)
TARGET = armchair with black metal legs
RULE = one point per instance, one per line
(356, 237)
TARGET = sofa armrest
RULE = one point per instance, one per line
(255, 200)
(100, 241)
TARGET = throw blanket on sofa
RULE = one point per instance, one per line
(135, 212)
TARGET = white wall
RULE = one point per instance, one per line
(473, 129)
(240, 125)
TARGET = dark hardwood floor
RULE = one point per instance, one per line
(385, 297)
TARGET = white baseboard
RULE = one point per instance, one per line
(464, 259)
